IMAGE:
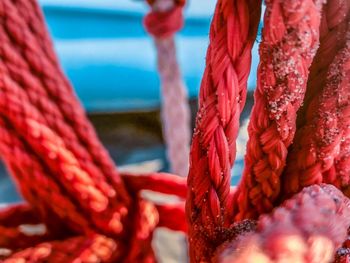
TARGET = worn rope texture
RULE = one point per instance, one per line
(53, 153)
(317, 145)
(162, 22)
(222, 98)
(334, 23)
(308, 228)
(290, 39)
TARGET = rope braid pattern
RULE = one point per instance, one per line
(289, 42)
(307, 228)
(333, 29)
(334, 23)
(326, 128)
(222, 98)
(163, 22)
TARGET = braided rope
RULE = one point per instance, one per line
(162, 22)
(334, 22)
(289, 43)
(298, 231)
(222, 98)
(327, 123)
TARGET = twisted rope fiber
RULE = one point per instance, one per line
(51, 77)
(47, 138)
(221, 100)
(290, 39)
(333, 29)
(50, 74)
(164, 20)
(12, 24)
(307, 228)
(26, 168)
(318, 143)
(334, 23)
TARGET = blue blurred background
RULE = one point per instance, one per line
(111, 60)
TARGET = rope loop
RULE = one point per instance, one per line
(164, 24)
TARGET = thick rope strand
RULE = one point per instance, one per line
(318, 142)
(222, 98)
(290, 39)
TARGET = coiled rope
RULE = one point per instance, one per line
(51, 149)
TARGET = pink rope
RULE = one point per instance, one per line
(175, 111)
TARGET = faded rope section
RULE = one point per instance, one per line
(221, 100)
(307, 228)
(162, 23)
(290, 39)
(318, 143)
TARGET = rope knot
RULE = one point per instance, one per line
(164, 24)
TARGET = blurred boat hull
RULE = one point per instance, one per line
(111, 60)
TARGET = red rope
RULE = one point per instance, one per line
(289, 42)
(317, 155)
(334, 23)
(94, 248)
(222, 98)
(163, 23)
